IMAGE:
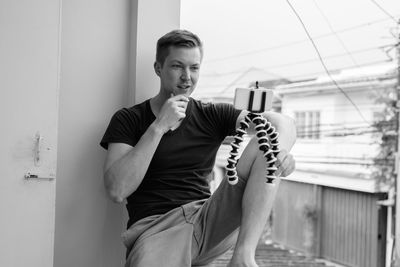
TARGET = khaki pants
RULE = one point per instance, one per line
(191, 235)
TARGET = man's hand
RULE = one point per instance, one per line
(172, 113)
(285, 163)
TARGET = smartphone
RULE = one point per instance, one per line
(256, 100)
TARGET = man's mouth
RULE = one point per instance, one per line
(184, 86)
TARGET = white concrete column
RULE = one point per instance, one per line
(150, 20)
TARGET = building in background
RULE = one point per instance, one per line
(336, 136)
(329, 207)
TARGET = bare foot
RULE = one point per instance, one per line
(234, 262)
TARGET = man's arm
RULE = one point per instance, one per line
(125, 166)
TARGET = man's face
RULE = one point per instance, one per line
(180, 71)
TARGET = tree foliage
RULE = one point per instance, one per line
(386, 124)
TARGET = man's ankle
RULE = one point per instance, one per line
(241, 258)
(245, 251)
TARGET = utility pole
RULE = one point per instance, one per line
(396, 262)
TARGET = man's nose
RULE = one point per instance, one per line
(185, 75)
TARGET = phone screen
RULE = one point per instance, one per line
(254, 100)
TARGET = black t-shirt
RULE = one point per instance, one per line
(183, 160)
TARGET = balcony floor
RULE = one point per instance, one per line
(275, 256)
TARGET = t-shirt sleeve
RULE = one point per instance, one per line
(224, 118)
(120, 129)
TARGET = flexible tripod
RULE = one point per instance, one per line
(267, 142)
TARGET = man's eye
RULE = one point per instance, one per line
(195, 68)
(176, 66)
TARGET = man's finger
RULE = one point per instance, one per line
(282, 154)
(288, 171)
(281, 158)
(287, 166)
(182, 104)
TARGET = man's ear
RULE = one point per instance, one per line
(157, 68)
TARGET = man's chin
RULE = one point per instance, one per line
(183, 92)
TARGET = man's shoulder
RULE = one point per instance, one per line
(140, 106)
(197, 102)
(134, 110)
(131, 116)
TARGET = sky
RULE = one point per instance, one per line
(267, 38)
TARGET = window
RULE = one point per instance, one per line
(308, 123)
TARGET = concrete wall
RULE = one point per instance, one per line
(94, 82)
(108, 48)
(154, 19)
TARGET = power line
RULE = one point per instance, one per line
(344, 68)
(337, 36)
(323, 63)
(333, 109)
(314, 132)
(313, 127)
(298, 62)
(326, 57)
(334, 33)
(384, 11)
(350, 134)
(341, 140)
(341, 157)
(325, 127)
(302, 76)
(322, 128)
(344, 163)
(334, 133)
(275, 47)
(343, 124)
(339, 131)
(236, 80)
(316, 135)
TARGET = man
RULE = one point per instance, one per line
(160, 153)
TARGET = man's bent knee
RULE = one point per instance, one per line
(247, 159)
